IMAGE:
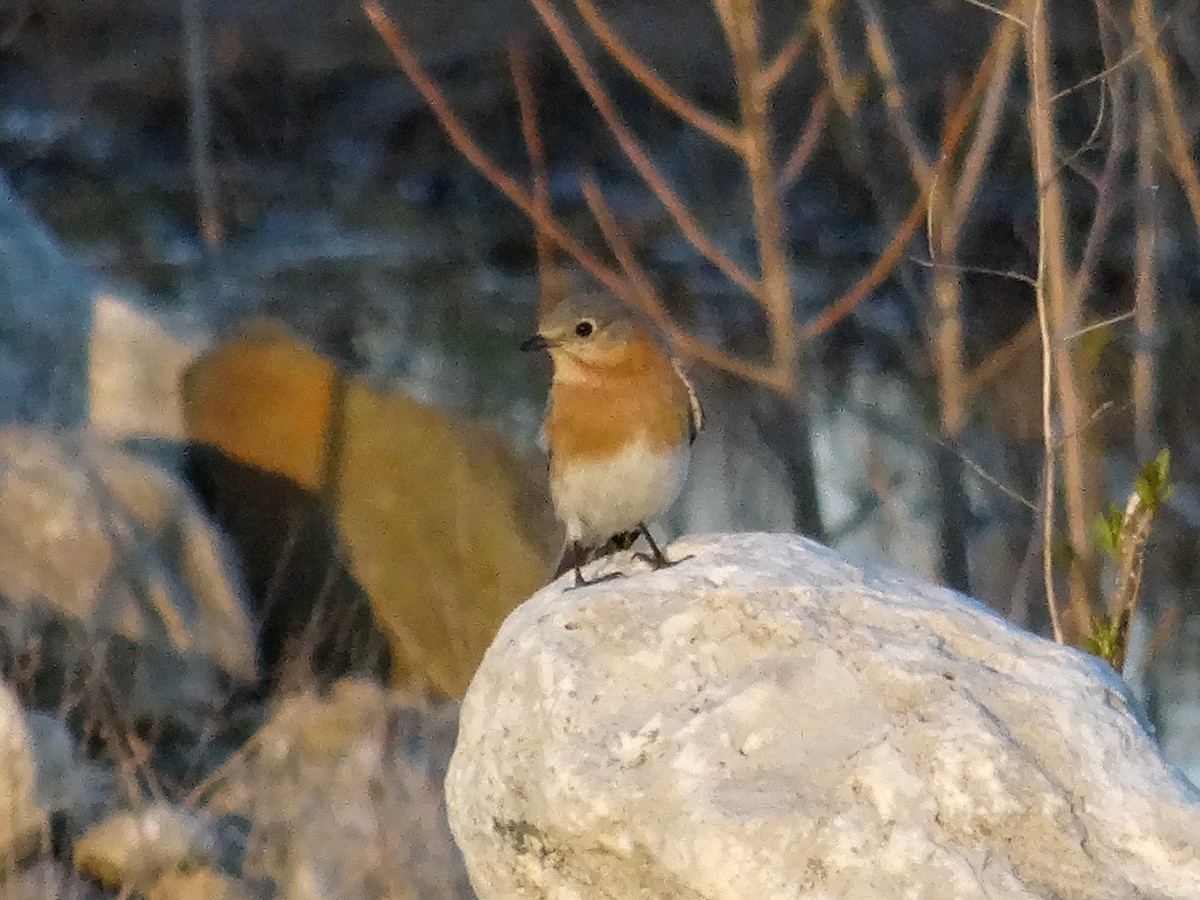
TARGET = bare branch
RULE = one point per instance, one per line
(807, 142)
(647, 299)
(953, 131)
(645, 76)
(484, 164)
(997, 11)
(776, 70)
(518, 63)
(1041, 128)
(1179, 151)
(635, 153)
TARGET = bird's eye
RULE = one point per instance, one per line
(584, 328)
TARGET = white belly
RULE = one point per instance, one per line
(599, 499)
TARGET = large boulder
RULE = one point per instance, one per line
(767, 720)
(45, 318)
(23, 821)
(342, 796)
(112, 580)
(444, 527)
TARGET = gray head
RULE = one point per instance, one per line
(586, 326)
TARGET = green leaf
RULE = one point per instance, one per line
(1106, 530)
(1104, 640)
(1153, 484)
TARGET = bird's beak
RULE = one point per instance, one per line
(537, 342)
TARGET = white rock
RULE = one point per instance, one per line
(768, 721)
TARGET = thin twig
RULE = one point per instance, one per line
(997, 11)
(647, 300)
(953, 131)
(1179, 151)
(881, 56)
(1095, 326)
(477, 157)
(1043, 152)
(973, 270)
(807, 142)
(518, 63)
(987, 128)
(634, 152)
(776, 70)
(666, 95)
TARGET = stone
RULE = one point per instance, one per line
(136, 848)
(23, 822)
(444, 527)
(135, 369)
(46, 877)
(115, 554)
(342, 795)
(45, 319)
(767, 720)
(201, 884)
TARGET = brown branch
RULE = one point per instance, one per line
(977, 155)
(484, 164)
(953, 131)
(741, 25)
(645, 76)
(518, 63)
(844, 92)
(807, 142)
(883, 60)
(635, 153)
(1049, 290)
(1179, 151)
(684, 343)
(776, 70)
(842, 306)
(1002, 357)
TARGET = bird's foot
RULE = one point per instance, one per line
(580, 581)
(660, 561)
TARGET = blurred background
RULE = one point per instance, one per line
(271, 472)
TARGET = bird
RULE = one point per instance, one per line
(620, 422)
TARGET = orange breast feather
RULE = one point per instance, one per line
(637, 393)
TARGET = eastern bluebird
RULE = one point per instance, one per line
(619, 425)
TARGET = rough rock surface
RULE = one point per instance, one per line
(137, 848)
(342, 797)
(22, 820)
(115, 545)
(45, 316)
(767, 720)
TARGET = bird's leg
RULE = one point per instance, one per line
(655, 557)
(576, 555)
(622, 541)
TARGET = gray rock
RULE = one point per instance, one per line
(136, 849)
(47, 878)
(23, 821)
(45, 318)
(136, 366)
(343, 797)
(767, 720)
(107, 563)
(78, 790)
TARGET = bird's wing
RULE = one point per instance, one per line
(695, 410)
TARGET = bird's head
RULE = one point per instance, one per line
(588, 328)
